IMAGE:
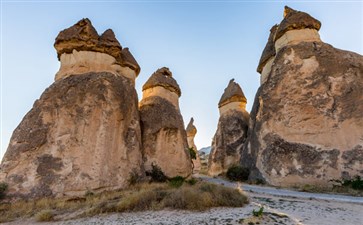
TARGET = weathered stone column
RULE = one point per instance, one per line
(163, 135)
(231, 132)
(306, 121)
(191, 132)
(83, 134)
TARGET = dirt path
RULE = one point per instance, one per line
(280, 207)
(303, 207)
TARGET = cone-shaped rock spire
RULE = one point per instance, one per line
(163, 78)
(83, 133)
(191, 129)
(303, 109)
(231, 131)
(296, 20)
(233, 93)
(164, 137)
(191, 132)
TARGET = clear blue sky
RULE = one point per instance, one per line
(204, 43)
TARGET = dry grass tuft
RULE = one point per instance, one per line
(44, 216)
(139, 197)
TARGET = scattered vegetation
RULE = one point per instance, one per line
(238, 173)
(135, 177)
(88, 193)
(356, 183)
(156, 174)
(3, 189)
(352, 187)
(191, 181)
(190, 195)
(193, 154)
(258, 213)
(44, 216)
(176, 181)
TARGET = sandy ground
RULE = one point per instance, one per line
(280, 207)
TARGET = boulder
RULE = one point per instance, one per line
(164, 138)
(306, 121)
(231, 132)
(191, 132)
(83, 134)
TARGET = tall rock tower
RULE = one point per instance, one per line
(163, 135)
(191, 132)
(231, 132)
(83, 133)
(306, 121)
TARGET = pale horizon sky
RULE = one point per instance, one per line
(204, 43)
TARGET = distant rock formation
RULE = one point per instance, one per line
(306, 121)
(84, 132)
(163, 135)
(191, 132)
(231, 132)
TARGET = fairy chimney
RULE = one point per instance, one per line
(306, 122)
(83, 134)
(191, 132)
(163, 135)
(231, 131)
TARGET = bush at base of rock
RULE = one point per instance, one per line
(238, 173)
(176, 181)
(156, 174)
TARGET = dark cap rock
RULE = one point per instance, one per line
(127, 59)
(233, 93)
(163, 77)
(82, 36)
(191, 129)
(269, 50)
(296, 20)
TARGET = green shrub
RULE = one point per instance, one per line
(3, 189)
(156, 174)
(356, 183)
(193, 154)
(176, 181)
(258, 213)
(238, 173)
(191, 181)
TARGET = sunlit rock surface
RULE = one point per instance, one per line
(83, 134)
(164, 137)
(306, 122)
(231, 131)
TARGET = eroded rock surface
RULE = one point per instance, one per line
(82, 134)
(231, 132)
(191, 132)
(163, 135)
(307, 117)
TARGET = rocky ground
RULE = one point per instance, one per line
(280, 207)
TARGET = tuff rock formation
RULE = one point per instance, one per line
(231, 132)
(80, 50)
(83, 133)
(191, 132)
(163, 135)
(306, 121)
